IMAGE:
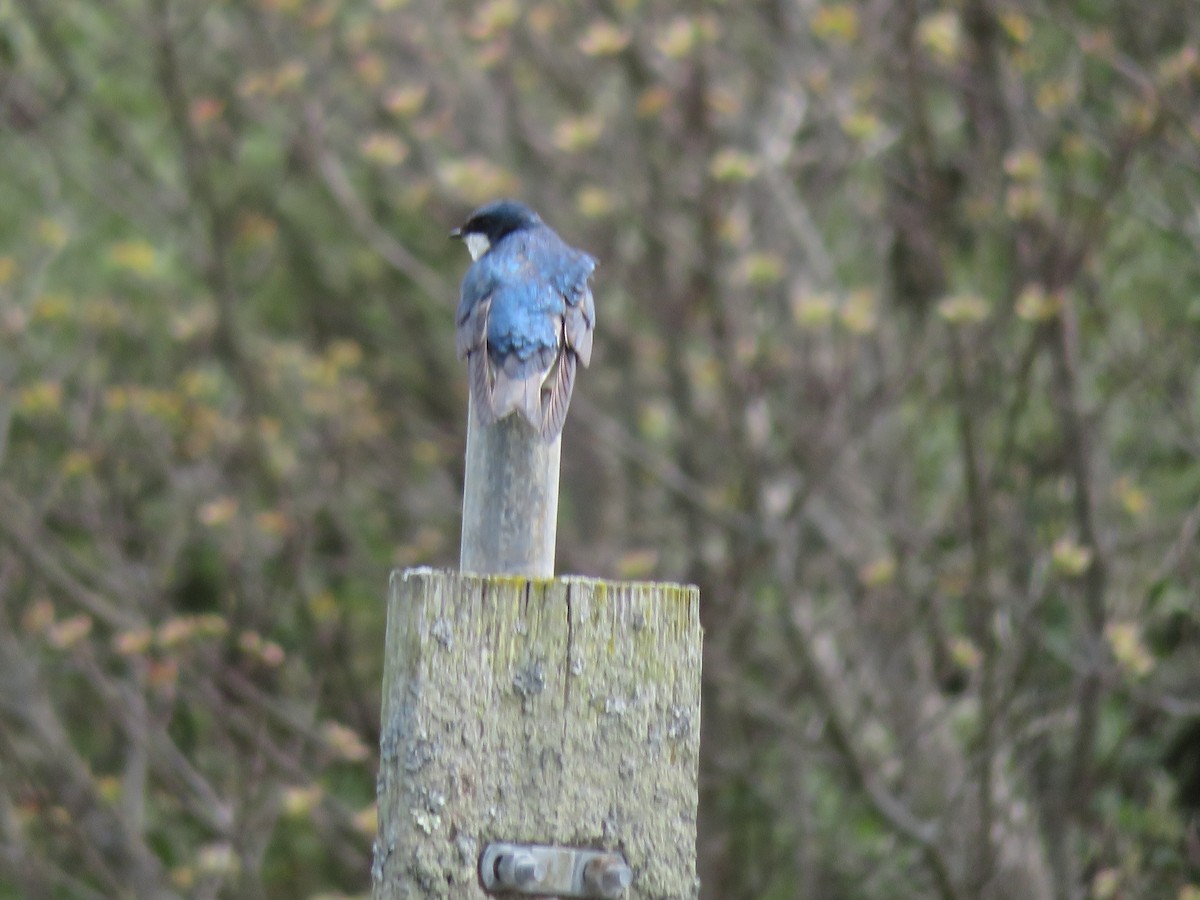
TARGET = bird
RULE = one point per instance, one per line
(525, 316)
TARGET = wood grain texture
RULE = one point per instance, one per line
(561, 711)
(510, 499)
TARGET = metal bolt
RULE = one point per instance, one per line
(536, 869)
(519, 869)
(608, 876)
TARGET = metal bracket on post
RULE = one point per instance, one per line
(561, 871)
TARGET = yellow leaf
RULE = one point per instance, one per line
(1132, 498)
(1023, 165)
(963, 309)
(725, 102)
(175, 631)
(1035, 305)
(366, 820)
(859, 314)
(267, 652)
(761, 269)
(578, 133)
(162, 404)
(543, 18)
(678, 39)
(964, 652)
(218, 859)
(1016, 26)
(733, 227)
(273, 523)
(879, 572)
(383, 149)
(733, 166)
(941, 35)
(652, 101)
(8, 268)
(406, 100)
(109, 787)
(252, 85)
(51, 232)
(116, 398)
(38, 617)
(69, 632)
(344, 742)
(211, 625)
(138, 256)
(1054, 96)
(492, 18)
(476, 179)
(835, 22)
(1075, 147)
(1139, 114)
(654, 421)
(603, 38)
(40, 398)
(1070, 558)
(218, 512)
(76, 463)
(289, 75)
(344, 353)
(370, 69)
(1106, 883)
(183, 877)
(861, 125)
(133, 643)
(813, 311)
(323, 607)
(192, 322)
(1128, 648)
(1180, 66)
(51, 307)
(594, 202)
(298, 802)
(1023, 201)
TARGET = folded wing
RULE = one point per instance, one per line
(525, 320)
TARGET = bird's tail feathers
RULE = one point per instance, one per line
(514, 394)
(541, 398)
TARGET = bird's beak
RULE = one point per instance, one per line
(456, 233)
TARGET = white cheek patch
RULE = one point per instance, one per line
(477, 244)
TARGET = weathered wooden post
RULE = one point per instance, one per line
(531, 721)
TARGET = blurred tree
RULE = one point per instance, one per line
(896, 360)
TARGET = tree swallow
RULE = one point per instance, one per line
(525, 316)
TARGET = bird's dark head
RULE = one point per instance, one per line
(490, 222)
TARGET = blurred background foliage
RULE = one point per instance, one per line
(897, 359)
